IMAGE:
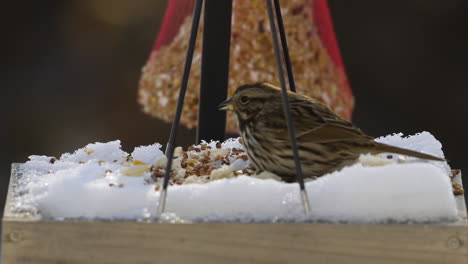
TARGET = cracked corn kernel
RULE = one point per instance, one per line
(89, 151)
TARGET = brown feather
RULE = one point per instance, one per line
(380, 147)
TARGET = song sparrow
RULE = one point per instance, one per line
(325, 141)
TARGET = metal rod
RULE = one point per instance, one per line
(214, 69)
(287, 110)
(284, 43)
(180, 103)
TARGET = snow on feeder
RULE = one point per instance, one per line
(100, 198)
(80, 207)
(214, 182)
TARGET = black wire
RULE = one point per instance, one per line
(183, 88)
(284, 94)
(284, 44)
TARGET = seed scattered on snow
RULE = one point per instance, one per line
(135, 171)
(138, 162)
(161, 162)
(89, 151)
(221, 173)
(178, 151)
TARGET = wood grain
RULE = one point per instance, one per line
(131, 242)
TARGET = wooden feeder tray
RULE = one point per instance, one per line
(29, 240)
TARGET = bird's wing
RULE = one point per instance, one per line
(314, 122)
(333, 131)
(303, 112)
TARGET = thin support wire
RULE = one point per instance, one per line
(287, 110)
(284, 43)
(180, 103)
(292, 84)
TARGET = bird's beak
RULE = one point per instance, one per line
(226, 105)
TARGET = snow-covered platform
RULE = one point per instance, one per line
(29, 239)
(98, 204)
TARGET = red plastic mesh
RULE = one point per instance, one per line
(176, 12)
(315, 57)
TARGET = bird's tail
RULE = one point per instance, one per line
(380, 147)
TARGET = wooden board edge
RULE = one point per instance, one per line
(7, 213)
(460, 200)
(232, 243)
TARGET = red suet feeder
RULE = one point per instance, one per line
(315, 57)
(243, 42)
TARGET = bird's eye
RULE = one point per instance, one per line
(244, 99)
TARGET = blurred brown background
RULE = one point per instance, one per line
(72, 69)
